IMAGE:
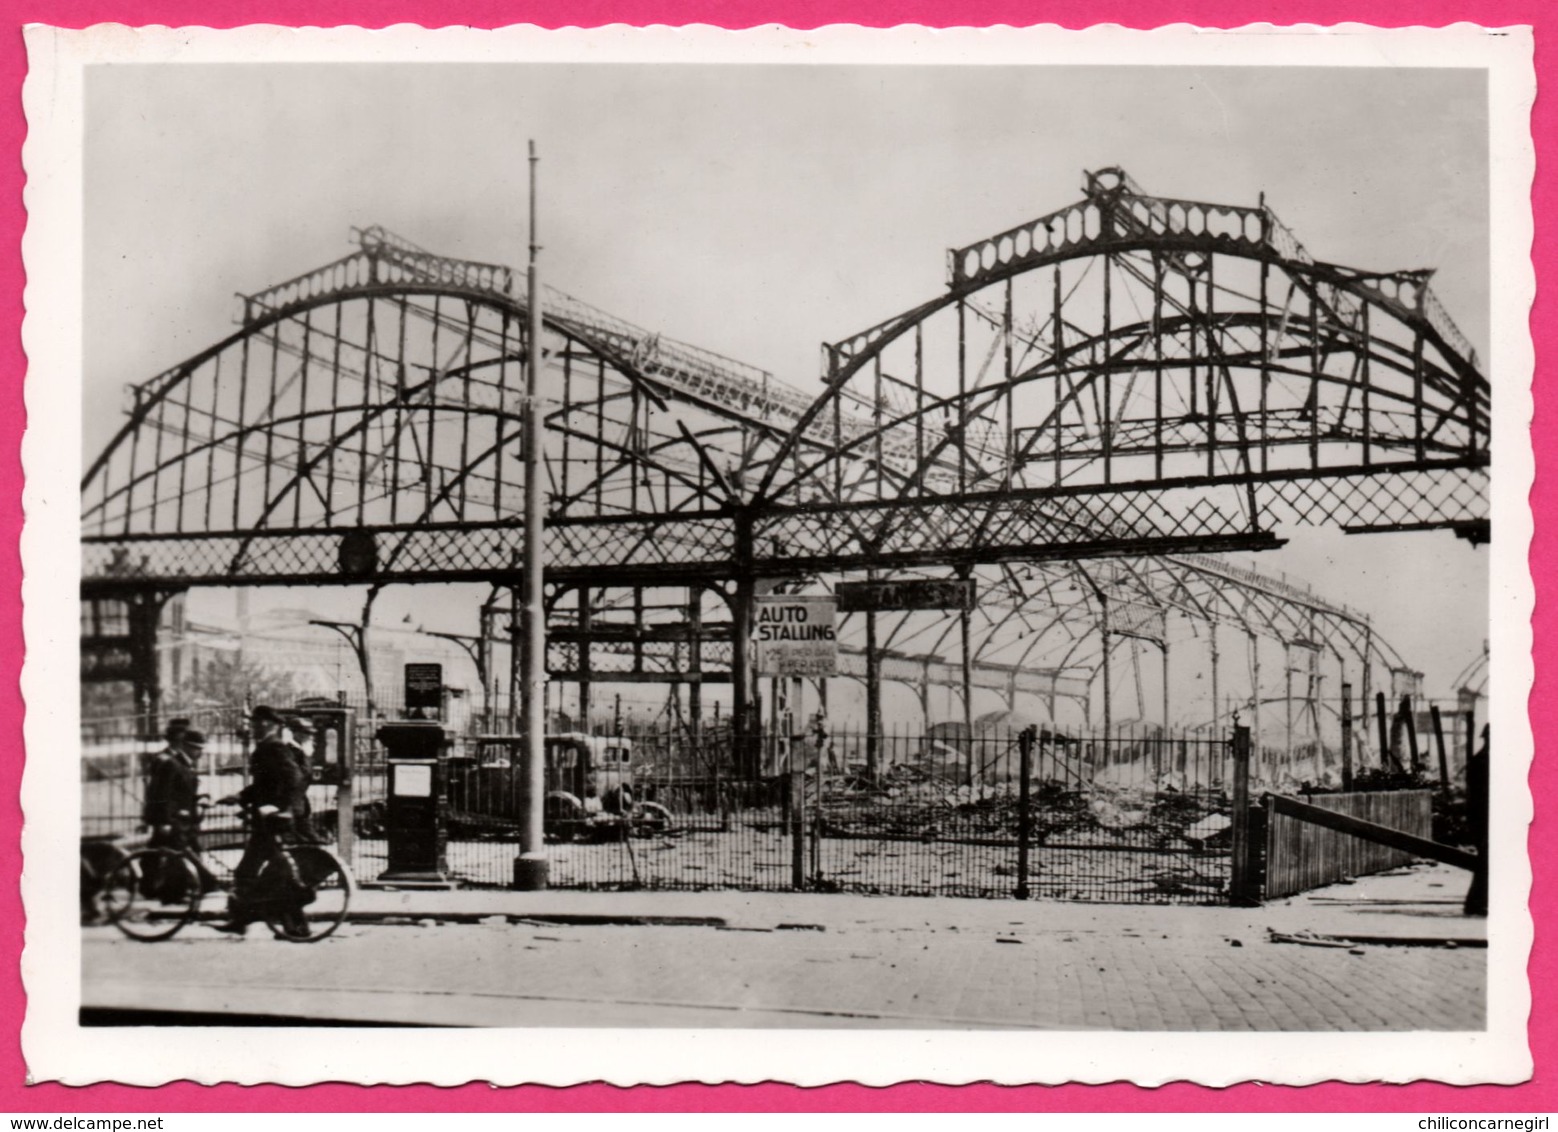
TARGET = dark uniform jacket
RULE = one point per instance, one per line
(148, 764)
(276, 780)
(171, 791)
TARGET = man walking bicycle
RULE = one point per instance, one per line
(172, 808)
(276, 800)
(173, 735)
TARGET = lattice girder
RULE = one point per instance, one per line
(1145, 345)
(1038, 627)
(397, 413)
(466, 552)
(1127, 375)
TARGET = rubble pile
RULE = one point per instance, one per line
(910, 803)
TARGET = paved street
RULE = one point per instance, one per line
(754, 960)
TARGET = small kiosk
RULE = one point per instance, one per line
(330, 760)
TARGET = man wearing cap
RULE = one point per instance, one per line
(274, 797)
(298, 733)
(172, 808)
(172, 792)
(173, 734)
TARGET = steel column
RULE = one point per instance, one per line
(1255, 735)
(1346, 735)
(873, 698)
(586, 622)
(695, 666)
(964, 619)
(745, 729)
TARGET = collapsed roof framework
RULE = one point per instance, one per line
(1131, 377)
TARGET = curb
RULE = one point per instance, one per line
(575, 919)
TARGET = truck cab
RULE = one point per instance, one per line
(587, 779)
(596, 771)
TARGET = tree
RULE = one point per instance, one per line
(233, 683)
(108, 704)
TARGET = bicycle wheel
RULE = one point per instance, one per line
(652, 819)
(315, 910)
(151, 894)
(98, 859)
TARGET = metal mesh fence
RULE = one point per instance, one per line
(677, 831)
(1141, 819)
(115, 763)
(1138, 820)
(1121, 820)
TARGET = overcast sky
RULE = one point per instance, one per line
(760, 210)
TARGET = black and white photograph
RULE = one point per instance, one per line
(682, 555)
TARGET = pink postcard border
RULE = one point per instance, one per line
(1538, 1095)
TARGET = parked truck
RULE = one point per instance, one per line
(588, 783)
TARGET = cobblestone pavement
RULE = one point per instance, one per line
(824, 961)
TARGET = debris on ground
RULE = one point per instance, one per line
(911, 803)
(1307, 939)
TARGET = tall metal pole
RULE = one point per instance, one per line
(1256, 748)
(1103, 632)
(586, 624)
(1367, 698)
(874, 700)
(1241, 883)
(1025, 741)
(1165, 644)
(744, 721)
(1287, 698)
(1163, 735)
(695, 670)
(488, 665)
(745, 714)
(1217, 702)
(515, 633)
(356, 634)
(964, 618)
(1346, 733)
(530, 867)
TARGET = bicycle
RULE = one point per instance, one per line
(153, 893)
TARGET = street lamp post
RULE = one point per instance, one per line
(356, 634)
(530, 867)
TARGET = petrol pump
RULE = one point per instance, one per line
(415, 751)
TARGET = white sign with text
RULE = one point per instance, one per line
(795, 634)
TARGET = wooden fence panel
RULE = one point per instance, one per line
(1301, 856)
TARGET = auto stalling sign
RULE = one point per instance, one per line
(795, 634)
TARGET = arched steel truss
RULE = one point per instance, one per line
(373, 407)
(1038, 629)
(1135, 369)
(1129, 374)
(1042, 631)
(1130, 377)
